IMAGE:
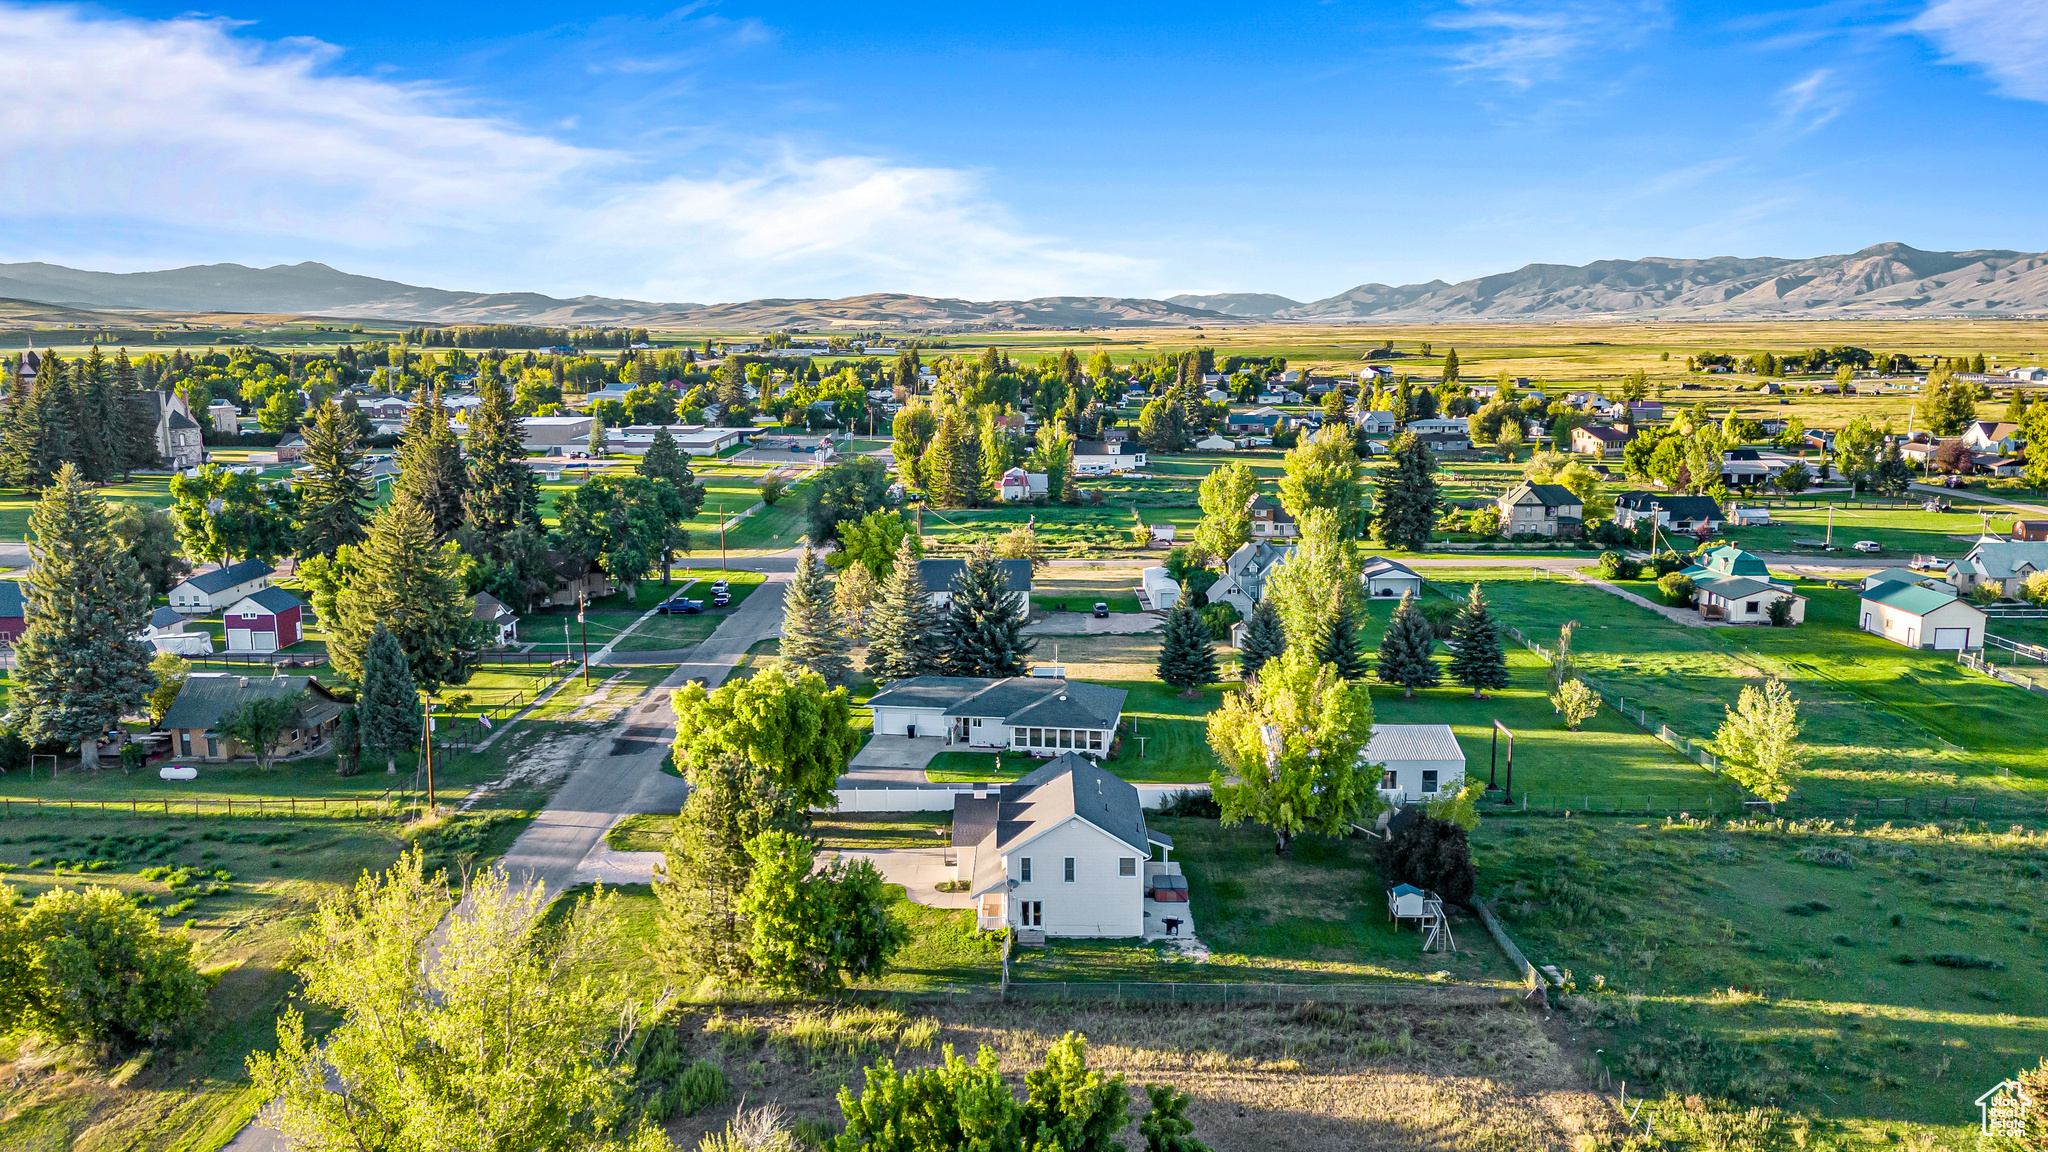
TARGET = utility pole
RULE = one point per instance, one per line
(721, 534)
(428, 759)
(582, 599)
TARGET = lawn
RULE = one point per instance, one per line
(1902, 533)
(1874, 975)
(1073, 589)
(1878, 720)
(147, 491)
(1318, 914)
(196, 1096)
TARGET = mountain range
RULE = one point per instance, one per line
(1883, 281)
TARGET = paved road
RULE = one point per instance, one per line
(1964, 494)
(620, 775)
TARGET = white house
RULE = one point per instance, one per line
(1062, 851)
(215, 589)
(1161, 590)
(2000, 436)
(938, 577)
(1920, 617)
(166, 633)
(1375, 423)
(1384, 577)
(1744, 599)
(1030, 714)
(1416, 761)
(1021, 485)
(2005, 564)
(502, 621)
(1459, 425)
(1106, 457)
(1683, 513)
(1243, 583)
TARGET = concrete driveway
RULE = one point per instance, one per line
(892, 761)
(1087, 624)
(919, 870)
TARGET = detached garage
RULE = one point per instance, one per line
(1416, 761)
(1920, 617)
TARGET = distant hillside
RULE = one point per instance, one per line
(1883, 281)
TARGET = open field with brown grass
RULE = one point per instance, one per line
(1297, 1079)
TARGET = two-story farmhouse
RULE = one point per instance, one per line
(938, 577)
(1270, 520)
(1597, 440)
(1540, 510)
(217, 588)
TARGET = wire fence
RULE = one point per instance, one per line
(1971, 660)
(1254, 995)
(359, 807)
(1634, 714)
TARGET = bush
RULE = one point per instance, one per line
(1188, 802)
(1218, 618)
(1827, 857)
(1956, 960)
(98, 970)
(1667, 562)
(772, 489)
(1678, 589)
(14, 752)
(1615, 566)
(1434, 855)
(1780, 612)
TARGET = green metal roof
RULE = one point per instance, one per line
(1912, 598)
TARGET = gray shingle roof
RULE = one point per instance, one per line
(1680, 507)
(1547, 495)
(165, 617)
(1041, 701)
(275, 599)
(1066, 786)
(222, 579)
(207, 696)
(938, 575)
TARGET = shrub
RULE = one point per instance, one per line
(1827, 857)
(1667, 562)
(1434, 855)
(100, 971)
(1187, 802)
(1678, 588)
(1957, 960)
(1575, 702)
(1780, 611)
(772, 489)
(1218, 618)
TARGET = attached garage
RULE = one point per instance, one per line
(1920, 617)
(910, 721)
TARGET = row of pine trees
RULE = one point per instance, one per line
(90, 412)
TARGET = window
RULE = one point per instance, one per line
(1127, 866)
(977, 721)
(1066, 737)
(1070, 869)
(1750, 607)
(1020, 737)
(1428, 781)
(1024, 869)
(1038, 737)
(1095, 741)
(1031, 914)
(1392, 779)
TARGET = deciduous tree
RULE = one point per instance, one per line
(90, 967)
(1226, 495)
(786, 722)
(847, 491)
(1291, 744)
(812, 929)
(258, 724)
(1324, 472)
(1325, 566)
(1759, 740)
(699, 930)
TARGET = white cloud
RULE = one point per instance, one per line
(186, 129)
(1520, 42)
(1810, 101)
(2007, 38)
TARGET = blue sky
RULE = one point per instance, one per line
(727, 151)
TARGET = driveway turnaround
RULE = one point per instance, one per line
(892, 762)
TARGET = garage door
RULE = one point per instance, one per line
(897, 721)
(1951, 639)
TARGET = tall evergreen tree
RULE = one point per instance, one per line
(983, 633)
(137, 439)
(1338, 645)
(902, 623)
(503, 492)
(1264, 640)
(1187, 656)
(388, 701)
(1479, 663)
(1408, 498)
(403, 580)
(952, 466)
(665, 461)
(1406, 647)
(430, 467)
(79, 668)
(812, 634)
(38, 437)
(335, 492)
(95, 418)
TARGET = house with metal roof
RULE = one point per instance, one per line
(194, 718)
(216, 588)
(1062, 851)
(1041, 715)
(1417, 762)
(1736, 586)
(268, 620)
(1920, 617)
(2004, 564)
(1540, 510)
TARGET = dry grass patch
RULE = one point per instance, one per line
(1307, 1078)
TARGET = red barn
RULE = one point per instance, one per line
(13, 612)
(264, 621)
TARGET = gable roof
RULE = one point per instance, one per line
(165, 617)
(272, 599)
(1916, 599)
(222, 579)
(1728, 560)
(207, 696)
(1274, 510)
(1740, 587)
(1061, 789)
(1605, 434)
(938, 575)
(1041, 701)
(2004, 559)
(1412, 742)
(1679, 507)
(489, 607)
(1383, 566)
(1547, 495)
(12, 606)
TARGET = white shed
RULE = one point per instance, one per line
(1920, 617)
(1416, 761)
(1160, 589)
(1384, 577)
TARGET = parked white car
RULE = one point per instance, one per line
(1868, 546)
